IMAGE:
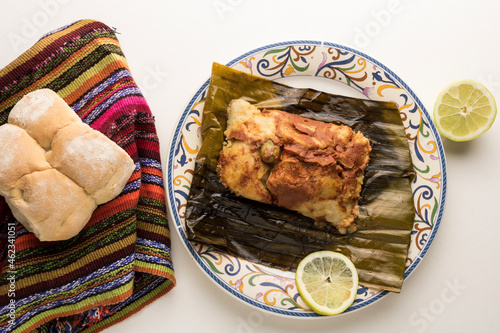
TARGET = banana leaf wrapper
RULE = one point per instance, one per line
(281, 238)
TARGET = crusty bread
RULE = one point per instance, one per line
(91, 160)
(50, 205)
(21, 155)
(55, 169)
(42, 113)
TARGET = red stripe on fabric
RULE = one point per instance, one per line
(127, 103)
(91, 266)
(48, 50)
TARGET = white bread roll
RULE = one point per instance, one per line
(91, 160)
(54, 169)
(42, 113)
(20, 155)
(50, 205)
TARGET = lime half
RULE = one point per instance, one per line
(464, 110)
(327, 282)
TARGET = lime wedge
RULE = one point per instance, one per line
(327, 282)
(464, 110)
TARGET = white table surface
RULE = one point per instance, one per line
(170, 47)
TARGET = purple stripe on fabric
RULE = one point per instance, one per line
(104, 270)
(108, 103)
(154, 260)
(150, 163)
(153, 244)
(101, 87)
(88, 293)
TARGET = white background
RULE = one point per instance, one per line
(170, 47)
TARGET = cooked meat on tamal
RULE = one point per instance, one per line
(309, 166)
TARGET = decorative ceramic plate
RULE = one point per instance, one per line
(271, 289)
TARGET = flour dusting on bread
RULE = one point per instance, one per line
(55, 169)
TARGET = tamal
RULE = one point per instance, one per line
(270, 234)
(309, 166)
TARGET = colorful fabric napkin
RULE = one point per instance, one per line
(120, 261)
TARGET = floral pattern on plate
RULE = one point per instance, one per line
(271, 289)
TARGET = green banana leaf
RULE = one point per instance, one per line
(281, 238)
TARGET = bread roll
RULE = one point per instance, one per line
(42, 113)
(91, 160)
(55, 169)
(50, 205)
(21, 155)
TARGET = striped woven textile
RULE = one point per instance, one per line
(120, 261)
